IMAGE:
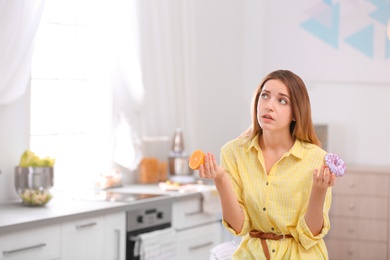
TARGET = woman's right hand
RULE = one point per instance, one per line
(231, 210)
(210, 168)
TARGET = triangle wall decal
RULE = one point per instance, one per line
(329, 35)
(363, 40)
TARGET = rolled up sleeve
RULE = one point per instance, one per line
(228, 161)
(303, 233)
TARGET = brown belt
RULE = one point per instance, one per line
(264, 236)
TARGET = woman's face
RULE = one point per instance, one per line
(274, 110)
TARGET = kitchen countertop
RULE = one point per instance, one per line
(14, 216)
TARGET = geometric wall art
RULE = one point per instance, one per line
(325, 23)
(325, 40)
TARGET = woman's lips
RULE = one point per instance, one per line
(268, 117)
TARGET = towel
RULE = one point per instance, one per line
(223, 251)
(156, 245)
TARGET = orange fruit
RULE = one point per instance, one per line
(196, 159)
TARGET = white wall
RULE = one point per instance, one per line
(358, 119)
(229, 64)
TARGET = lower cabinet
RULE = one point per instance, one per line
(115, 236)
(104, 237)
(82, 239)
(196, 243)
(93, 238)
(359, 216)
(197, 231)
(357, 250)
(35, 243)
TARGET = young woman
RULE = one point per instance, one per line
(273, 185)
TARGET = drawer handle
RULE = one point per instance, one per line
(8, 252)
(191, 248)
(86, 225)
(352, 184)
(118, 247)
(351, 206)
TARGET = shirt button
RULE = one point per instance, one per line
(273, 229)
(273, 250)
(264, 209)
(266, 183)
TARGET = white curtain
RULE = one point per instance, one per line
(168, 62)
(19, 20)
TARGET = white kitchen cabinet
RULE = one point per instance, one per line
(196, 243)
(36, 243)
(359, 216)
(102, 237)
(188, 212)
(115, 236)
(197, 232)
(83, 239)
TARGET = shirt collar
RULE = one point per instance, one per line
(254, 143)
(296, 150)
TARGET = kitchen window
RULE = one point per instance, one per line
(71, 93)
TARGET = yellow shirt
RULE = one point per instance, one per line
(276, 202)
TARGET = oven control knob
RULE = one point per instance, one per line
(160, 215)
(140, 219)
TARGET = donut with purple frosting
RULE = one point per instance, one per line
(335, 164)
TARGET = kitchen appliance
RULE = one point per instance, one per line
(33, 184)
(178, 159)
(178, 142)
(179, 166)
(154, 216)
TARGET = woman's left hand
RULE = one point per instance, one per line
(323, 178)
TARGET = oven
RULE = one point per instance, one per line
(151, 217)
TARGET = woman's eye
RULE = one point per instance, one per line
(264, 95)
(283, 102)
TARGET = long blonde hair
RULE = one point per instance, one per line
(302, 128)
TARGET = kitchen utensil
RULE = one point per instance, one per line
(33, 184)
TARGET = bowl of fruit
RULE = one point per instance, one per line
(34, 179)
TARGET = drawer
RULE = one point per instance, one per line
(189, 212)
(355, 206)
(83, 239)
(356, 250)
(357, 184)
(37, 243)
(362, 229)
(196, 243)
